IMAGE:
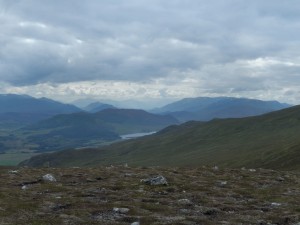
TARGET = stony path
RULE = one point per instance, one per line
(119, 195)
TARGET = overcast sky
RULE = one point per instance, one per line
(150, 49)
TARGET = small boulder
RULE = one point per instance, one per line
(222, 183)
(159, 180)
(135, 223)
(121, 210)
(275, 204)
(49, 177)
(185, 201)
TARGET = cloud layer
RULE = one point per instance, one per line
(151, 48)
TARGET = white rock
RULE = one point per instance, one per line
(24, 187)
(49, 177)
(275, 204)
(135, 223)
(121, 210)
(13, 171)
(252, 170)
(222, 183)
(215, 168)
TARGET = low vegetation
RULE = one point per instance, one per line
(117, 195)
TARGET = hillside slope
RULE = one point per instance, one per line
(271, 141)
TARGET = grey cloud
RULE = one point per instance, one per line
(141, 40)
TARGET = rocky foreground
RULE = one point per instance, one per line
(137, 196)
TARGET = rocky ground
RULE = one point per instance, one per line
(124, 195)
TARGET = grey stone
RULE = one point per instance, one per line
(49, 177)
(185, 201)
(121, 210)
(135, 223)
(159, 180)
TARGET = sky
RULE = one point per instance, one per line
(150, 50)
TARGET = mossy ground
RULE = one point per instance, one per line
(193, 196)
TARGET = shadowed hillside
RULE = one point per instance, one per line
(271, 141)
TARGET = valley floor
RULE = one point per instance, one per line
(118, 195)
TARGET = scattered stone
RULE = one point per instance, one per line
(70, 219)
(185, 211)
(211, 211)
(185, 201)
(159, 180)
(60, 207)
(192, 198)
(280, 179)
(128, 175)
(121, 210)
(90, 180)
(13, 171)
(222, 183)
(215, 168)
(135, 223)
(49, 177)
(275, 204)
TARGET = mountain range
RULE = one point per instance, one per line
(20, 110)
(205, 108)
(271, 141)
(97, 106)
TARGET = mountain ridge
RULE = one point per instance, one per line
(207, 108)
(20, 110)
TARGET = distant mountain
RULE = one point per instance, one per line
(27, 104)
(205, 108)
(97, 106)
(18, 110)
(269, 141)
(86, 129)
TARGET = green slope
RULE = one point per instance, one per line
(271, 141)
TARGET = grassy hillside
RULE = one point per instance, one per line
(271, 141)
